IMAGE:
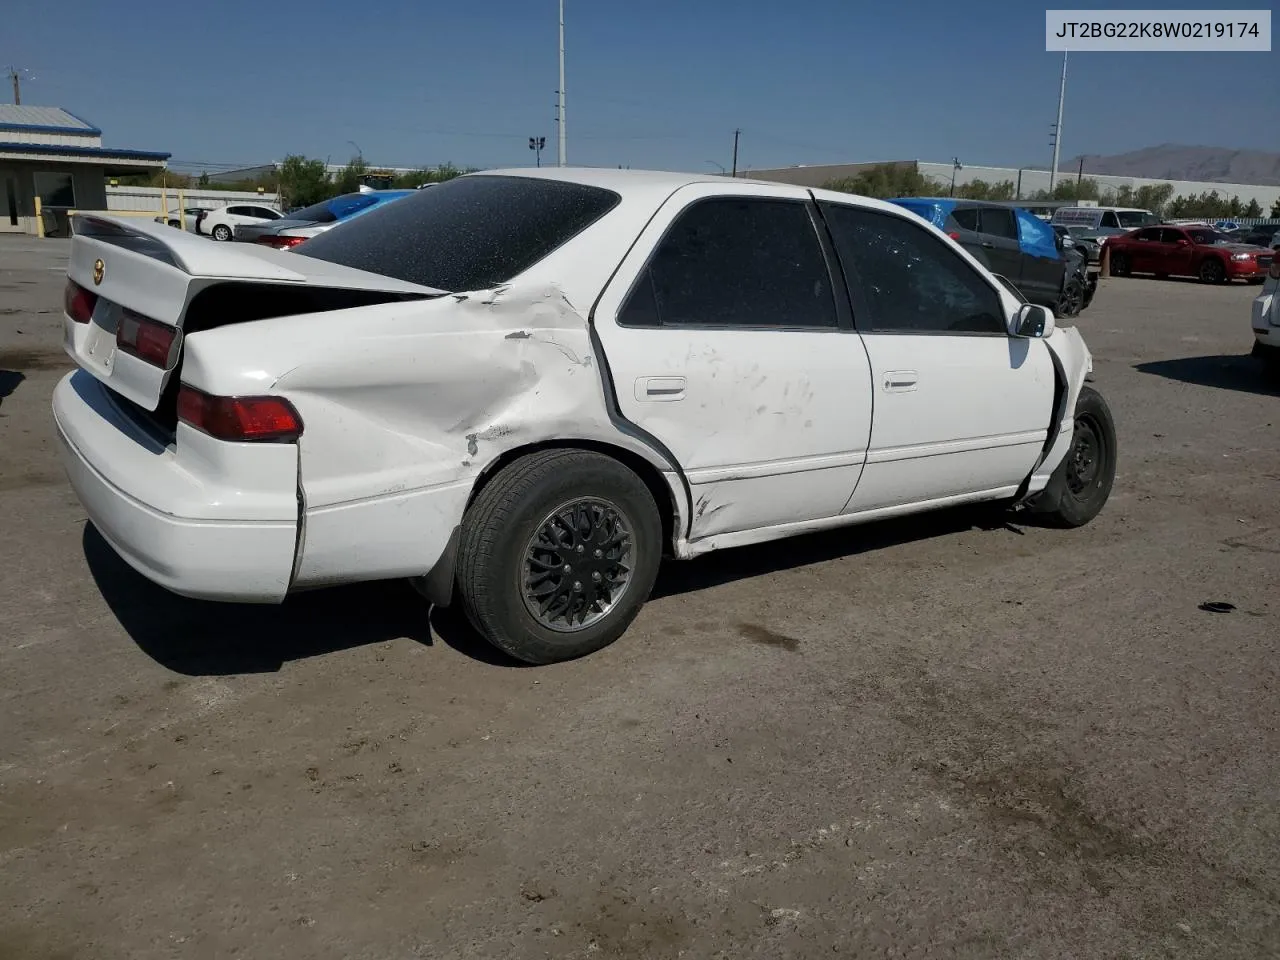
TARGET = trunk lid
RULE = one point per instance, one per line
(137, 269)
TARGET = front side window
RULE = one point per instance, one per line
(1134, 218)
(1150, 235)
(735, 262)
(1109, 220)
(908, 280)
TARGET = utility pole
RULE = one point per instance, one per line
(1079, 176)
(736, 134)
(562, 158)
(15, 75)
(1057, 127)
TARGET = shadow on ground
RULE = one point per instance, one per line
(9, 380)
(203, 638)
(1243, 373)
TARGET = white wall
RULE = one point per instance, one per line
(150, 198)
(1033, 180)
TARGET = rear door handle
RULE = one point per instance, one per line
(986, 245)
(901, 381)
(659, 389)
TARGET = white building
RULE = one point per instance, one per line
(51, 154)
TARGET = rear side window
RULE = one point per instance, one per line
(905, 280)
(735, 262)
(468, 233)
(967, 218)
(999, 223)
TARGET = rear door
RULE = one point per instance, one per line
(999, 234)
(726, 341)
(1146, 251)
(968, 235)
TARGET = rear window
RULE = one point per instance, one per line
(465, 234)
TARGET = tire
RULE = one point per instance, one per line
(1212, 271)
(1081, 485)
(510, 554)
(1119, 265)
(176, 223)
(222, 232)
(1071, 300)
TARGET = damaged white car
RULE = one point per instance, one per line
(524, 388)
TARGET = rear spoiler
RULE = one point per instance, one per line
(198, 256)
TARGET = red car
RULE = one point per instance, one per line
(1188, 252)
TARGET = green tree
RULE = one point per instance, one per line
(439, 174)
(347, 179)
(1275, 208)
(1152, 196)
(302, 182)
(887, 180)
(1254, 209)
(204, 180)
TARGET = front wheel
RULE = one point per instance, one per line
(1081, 485)
(1212, 271)
(557, 555)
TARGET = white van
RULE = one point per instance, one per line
(1105, 221)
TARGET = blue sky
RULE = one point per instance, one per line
(657, 84)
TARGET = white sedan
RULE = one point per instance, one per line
(1266, 319)
(524, 388)
(221, 223)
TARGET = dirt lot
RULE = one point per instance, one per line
(928, 738)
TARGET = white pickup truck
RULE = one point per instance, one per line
(526, 387)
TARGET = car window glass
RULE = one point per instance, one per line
(735, 262)
(1173, 236)
(967, 218)
(1109, 220)
(1149, 234)
(469, 233)
(999, 223)
(910, 280)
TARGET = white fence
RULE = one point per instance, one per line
(159, 199)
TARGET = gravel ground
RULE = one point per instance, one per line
(940, 737)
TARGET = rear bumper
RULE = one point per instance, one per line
(126, 483)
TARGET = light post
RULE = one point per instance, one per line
(955, 165)
(536, 144)
(720, 166)
(359, 152)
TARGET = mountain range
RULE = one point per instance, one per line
(1171, 161)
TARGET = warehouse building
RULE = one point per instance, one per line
(1026, 180)
(50, 154)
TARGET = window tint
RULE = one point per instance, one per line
(910, 281)
(467, 233)
(238, 211)
(999, 223)
(350, 203)
(1173, 236)
(1150, 234)
(967, 218)
(735, 263)
(1135, 218)
(1109, 220)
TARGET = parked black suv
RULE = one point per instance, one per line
(1018, 246)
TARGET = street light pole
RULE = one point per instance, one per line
(359, 152)
(536, 144)
(955, 165)
(1057, 127)
(562, 157)
(720, 166)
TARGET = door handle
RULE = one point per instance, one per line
(659, 389)
(901, 381)
(987, 245)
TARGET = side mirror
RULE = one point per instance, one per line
(1032, 322)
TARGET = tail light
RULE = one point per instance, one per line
(145, 339)
(954, 236)
(78, 302)
(280, 243)
(239, 418)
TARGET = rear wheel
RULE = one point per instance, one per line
(1212, 271)
(1119, 265)
(557, 555)
(222, 232)
(1081, 485)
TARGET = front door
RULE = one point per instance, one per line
(1147, 252)
(962, 409)
(725, 341)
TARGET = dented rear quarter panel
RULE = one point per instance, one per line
(406, 404)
